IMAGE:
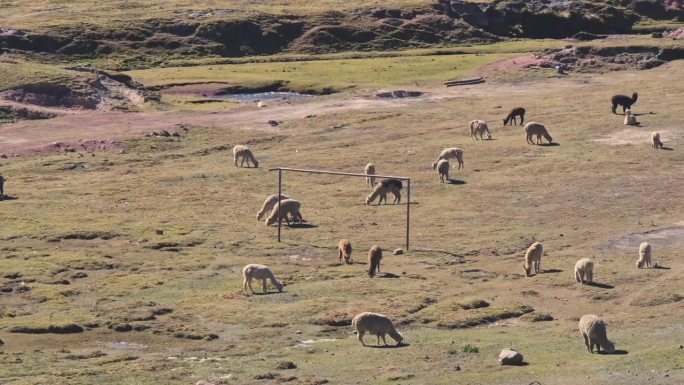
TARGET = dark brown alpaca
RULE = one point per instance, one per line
(625, 101)
(374, 257)
(517, 111)
(2, 186)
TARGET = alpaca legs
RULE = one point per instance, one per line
(249, 284)
(235, 159)
(522, 119)
(263, 284)
(586, 342)
(360, 337)
(340, 255)
(578, 278)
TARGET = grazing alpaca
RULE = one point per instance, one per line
(533, 258)
(375, 324)
(386, 186)
(479, 127)
(644, 255)
(593, 330)
(345, 250)
(245, 153)
(269, 203)
(655, 141)
(584, 271)
(630, 119)
(625, 101)
(443, 169)
(374, 257)
(518, 111)
(255, 271)
(370, 170)
(288, 208)
(533, 128)
(449, 153)
(2, 186)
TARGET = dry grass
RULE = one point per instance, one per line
(575, 197)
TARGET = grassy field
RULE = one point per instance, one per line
(167, 308)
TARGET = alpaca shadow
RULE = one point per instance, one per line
(7, 198)
(600, 285)
(662, 268)
(302, 226)
(269, 292)
(456, 181)
(645, 113)
(398, 346)
(615, 352)
(667, 148)
(550, 271)
(549, 144)
(388, 275)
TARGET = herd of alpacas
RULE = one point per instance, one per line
(592, 328)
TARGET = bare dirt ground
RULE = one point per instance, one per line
(80, 246)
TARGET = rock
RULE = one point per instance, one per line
(4, 156)
(159, 231)
(123, 327)
(657, 35)
(273, 123)
(2, 342)
(399, 251)
(510, 357)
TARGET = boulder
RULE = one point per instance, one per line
(510, 357)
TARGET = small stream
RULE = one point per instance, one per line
(262, 96)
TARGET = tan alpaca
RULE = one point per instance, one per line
(345, 248)
(374, 257)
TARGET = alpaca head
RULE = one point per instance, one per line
(548, 137)
(368, 199)
(256, 163)
(608, 346)
(489, 135)
(635, 96)
(505, 121)
(397, 337)
(434, 165)
(527, 269)
(279, 286)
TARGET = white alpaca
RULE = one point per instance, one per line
(479, 127)
(370, 170)
(288, 208)
(255, 271)
(655, 141)
(375, 324)
(593, 330)
(269, 203)
(449, 153)
(443, 169)
(644, 255)
(630, 119)
(538, 130)
(245, 153)
(584, 271)
(533, 258)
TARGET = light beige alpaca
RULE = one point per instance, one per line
(644, 255)
(443, 169)
(479, 127)
(370, 170)
(287, 207)
(630, 119)
(245, 153)
(533, 258)
(593, 330)
(655, 141)
(450, 153)
(269, 203)
(381, 190)
(345, 248)
(255, 271)
(538, 130)
(584, 271)
(375, 324)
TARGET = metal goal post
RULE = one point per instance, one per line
(403, 178)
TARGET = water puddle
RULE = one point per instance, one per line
(126, 346)
(311, 342)
(250, 97)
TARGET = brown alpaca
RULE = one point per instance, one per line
(2, 185)
(623, 100)
(345, 250)
(510, 119)
(374, 257)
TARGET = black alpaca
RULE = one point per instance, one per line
(625, 101)
(518, 111)
(2, 186)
